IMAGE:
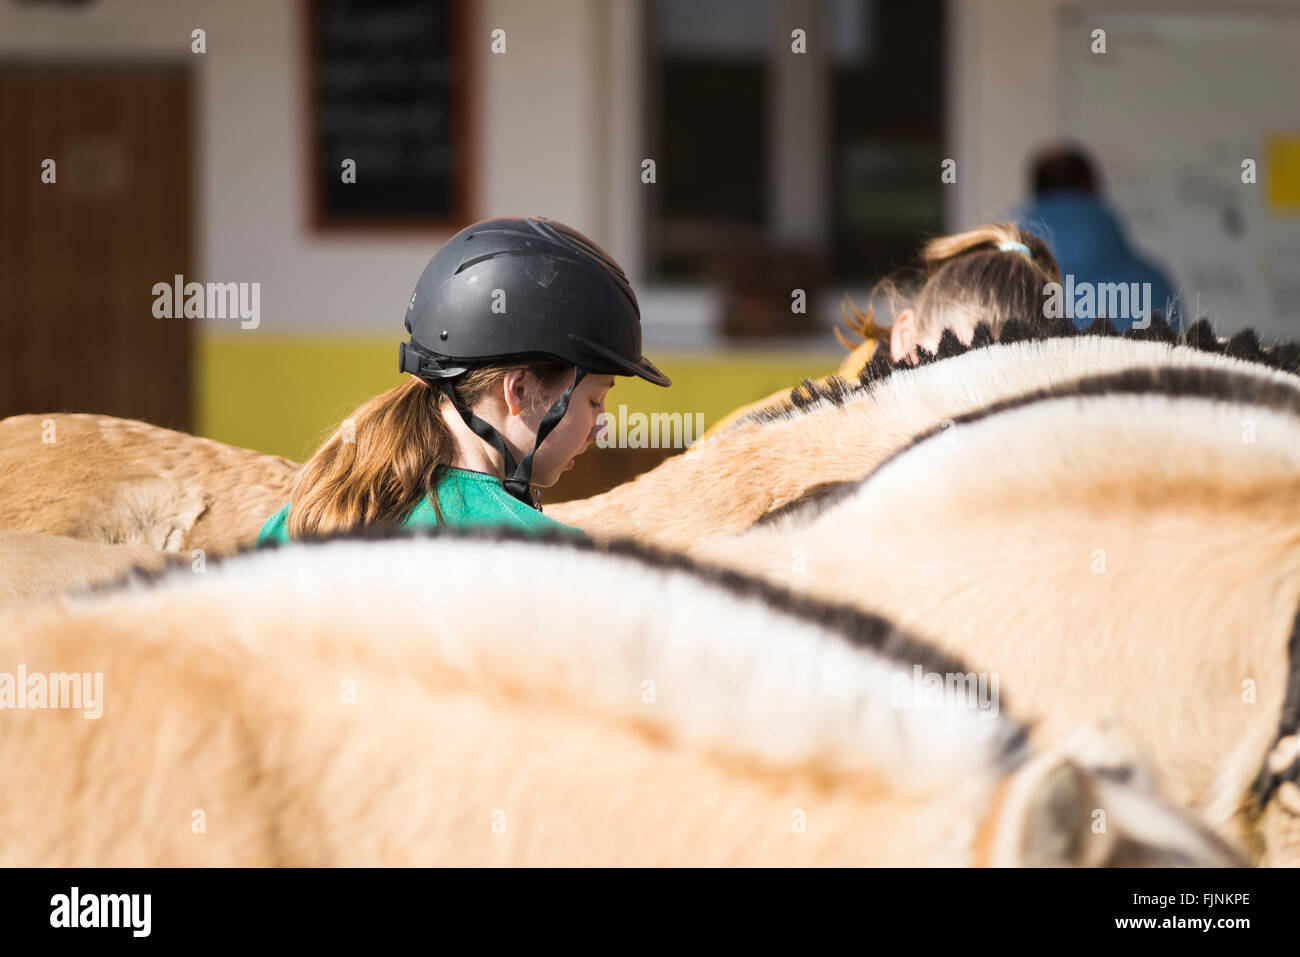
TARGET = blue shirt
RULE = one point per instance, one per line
(1086, 238)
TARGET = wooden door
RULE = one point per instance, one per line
(79, 256)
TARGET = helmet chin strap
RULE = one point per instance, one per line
(518, 478)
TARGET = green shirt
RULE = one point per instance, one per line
(467, 499)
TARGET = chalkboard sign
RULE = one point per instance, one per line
(387, 91)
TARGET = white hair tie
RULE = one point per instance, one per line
(1015, 247)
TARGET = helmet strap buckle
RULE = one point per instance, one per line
(517, 477)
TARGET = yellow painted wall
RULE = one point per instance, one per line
(283, 395)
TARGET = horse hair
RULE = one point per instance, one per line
(836, 390)
(859, 628)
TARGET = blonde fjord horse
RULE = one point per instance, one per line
(410, 702)
(1123, 548)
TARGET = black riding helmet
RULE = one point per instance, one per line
(515, 288)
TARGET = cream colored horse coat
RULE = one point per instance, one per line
(463, 700)
(724, 485)
(1127, 552)
(118, 481)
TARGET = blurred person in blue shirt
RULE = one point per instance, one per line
(1085, 235)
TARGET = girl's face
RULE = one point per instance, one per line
(580, 426)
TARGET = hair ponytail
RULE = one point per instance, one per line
(970, 276)
(967, 278)
(384, 458)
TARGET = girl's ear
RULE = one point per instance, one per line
(902, 338)
(514, 388)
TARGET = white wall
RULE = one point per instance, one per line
(1002, 100)
(1180, 92)
(1005, 95)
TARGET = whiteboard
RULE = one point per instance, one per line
(1178, 100)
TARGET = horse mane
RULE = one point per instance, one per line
(1205, 382)
(1222, 385)
(856, 715)
(861, 629)
(836, 390)
(1195, 382)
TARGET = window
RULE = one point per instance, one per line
(766, 165)
(886, 136)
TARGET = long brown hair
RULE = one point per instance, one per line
(385, 457)
(968, 275)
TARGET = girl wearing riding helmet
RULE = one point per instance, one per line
(517, 330)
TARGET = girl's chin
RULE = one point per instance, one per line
(553, 478)
(546, 481)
